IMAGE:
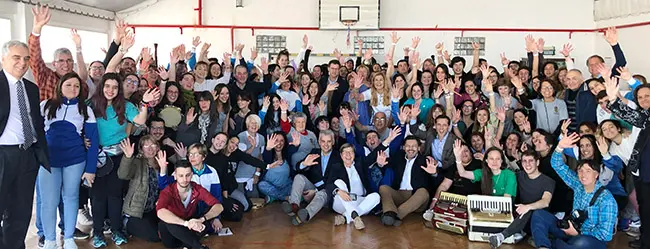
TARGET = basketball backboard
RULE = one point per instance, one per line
(336, 14)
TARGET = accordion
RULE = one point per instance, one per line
(489, 215)
(450, 213)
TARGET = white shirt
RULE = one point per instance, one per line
(380, 107)
(13, 133)
(356, 186)
(406, 177)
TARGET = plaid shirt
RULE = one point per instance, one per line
(46, 78)
(602, 215)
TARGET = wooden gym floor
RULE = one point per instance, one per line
(270, 228)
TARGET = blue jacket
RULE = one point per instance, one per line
(65, 135)
(585, 104)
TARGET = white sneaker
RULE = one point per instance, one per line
(518, 237)
(428, 215)
(84, 218)
(50, 244)
(69, 244)
(635, 223)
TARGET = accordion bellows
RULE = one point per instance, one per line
(450, 213)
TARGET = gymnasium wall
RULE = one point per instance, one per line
(552, 14)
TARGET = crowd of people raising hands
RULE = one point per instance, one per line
(165, 153)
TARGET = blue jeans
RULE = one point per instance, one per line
(275, 192)
(544, 223)
(39, 223)
(60, 184)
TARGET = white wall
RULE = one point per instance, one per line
(406, 13)
(634, 43)
(21, 18)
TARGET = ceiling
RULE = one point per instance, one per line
(108, 5)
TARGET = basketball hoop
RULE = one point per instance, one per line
(348, 24)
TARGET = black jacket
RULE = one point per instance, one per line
(38, 122)
(342, 174)
(227, 166)
(337, 96)
(315, 173)
(419, 177)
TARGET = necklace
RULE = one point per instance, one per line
(494, 191)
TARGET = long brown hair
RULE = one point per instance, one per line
(100, 103)
(53, 104)
(486, 178)
(374, 93)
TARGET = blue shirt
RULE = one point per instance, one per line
(324, 159)
(602, 216)
(436, 148)
(110, 130)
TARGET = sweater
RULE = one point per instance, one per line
(64, 134)
(549, 114)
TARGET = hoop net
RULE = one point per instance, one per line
(348, 23)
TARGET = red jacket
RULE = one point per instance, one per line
(170, 199)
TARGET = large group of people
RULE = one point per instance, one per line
(164, 153)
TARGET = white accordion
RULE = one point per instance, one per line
(489, 215)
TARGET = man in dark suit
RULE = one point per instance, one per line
(22, 144)
(351, 189)
(334, 87)
(408, 191)
(314, 172)
(440, 144)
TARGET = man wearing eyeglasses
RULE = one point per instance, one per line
(96, 71)
(63, 62)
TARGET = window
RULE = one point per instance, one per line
(57, 37)
(5, 30)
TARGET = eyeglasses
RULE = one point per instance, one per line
(380, 119)
(151, 146)
(96, 68)
(134, 82)
(194, 155)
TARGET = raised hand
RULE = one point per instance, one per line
(305, 41)
(284, 105)
(127, 147)
(476, 45)
(439, 47)
(295, 139)
(284, 76)
(568, 141)
(190, 116)
(415, 111)
(204, 49)
(540, 45)
(526, 127)
(252, 141)
(504, 59)
(530, 44)
(161, 159)
(457, 149)
(602, 144)
(162, 72)
(382, 158)
(612, 88)
(501, 114)
(431, 167)
(456, 117)
(196, 41)
(128, 41)
(624, 73)
(75, 38)
(322, 106)
(347, 121)
(611, 35)
(332, 87)
(406, 51)
(306, 100)
(446, 55)
(394, 38)
(41, 17)
(120, 31)
(566, 50)
(488, 85)
(180, 150)
(565, 127)
(310, 160)
(404, 113)
(415, 42)
(394, 133)
(516, 81)
(396, 93)
(357, 79)
(485, 71)
(151, 95)
(266, 102)
(253, 53)
(271, 141)
(367, 56)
